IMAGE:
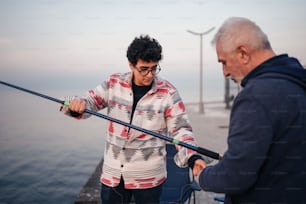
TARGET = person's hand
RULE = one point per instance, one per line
(77, 105)
(199, 165)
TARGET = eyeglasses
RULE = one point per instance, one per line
(144, 71)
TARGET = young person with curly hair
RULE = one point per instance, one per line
(135, 162)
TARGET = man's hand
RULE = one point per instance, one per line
(77, 106)
(199, 165)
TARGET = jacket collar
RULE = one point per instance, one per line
(280, 66)
(158, 82)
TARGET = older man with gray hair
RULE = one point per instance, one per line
(266, 157)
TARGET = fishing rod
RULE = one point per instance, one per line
(200, 150)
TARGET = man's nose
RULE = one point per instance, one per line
(226, 73)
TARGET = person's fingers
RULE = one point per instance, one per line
(77, 106)
(199, 165)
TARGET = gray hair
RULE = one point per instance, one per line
(237, 31)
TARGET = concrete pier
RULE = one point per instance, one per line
(90, 193)
(210, 129)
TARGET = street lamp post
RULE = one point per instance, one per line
(201, 103)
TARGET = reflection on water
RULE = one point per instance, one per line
(45, 157)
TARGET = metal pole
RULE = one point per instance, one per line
(201, 102)
(227, 93)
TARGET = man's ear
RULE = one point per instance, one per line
(243, 54)
(131, 66)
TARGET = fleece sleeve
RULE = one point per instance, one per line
(250, 135)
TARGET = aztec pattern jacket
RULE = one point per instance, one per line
(138, 157)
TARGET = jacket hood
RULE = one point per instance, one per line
(280, 66)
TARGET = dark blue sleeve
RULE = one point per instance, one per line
(250, 135)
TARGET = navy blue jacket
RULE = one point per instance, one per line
(266, 157)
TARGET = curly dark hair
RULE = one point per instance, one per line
(144, 48)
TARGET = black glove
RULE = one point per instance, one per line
(75, 114)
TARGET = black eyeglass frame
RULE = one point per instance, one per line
(144, 71)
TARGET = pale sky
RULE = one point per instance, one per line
(78, 43)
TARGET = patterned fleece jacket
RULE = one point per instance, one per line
(138, 157)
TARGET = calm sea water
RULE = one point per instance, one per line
(45, 156)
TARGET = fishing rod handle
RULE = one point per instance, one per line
(208, 153)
